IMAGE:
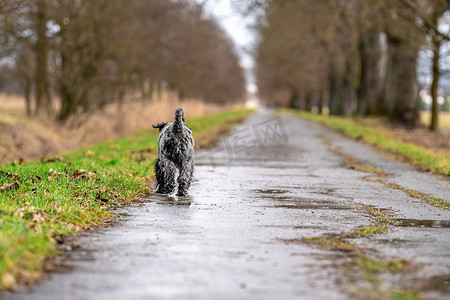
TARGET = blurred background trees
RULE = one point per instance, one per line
(354, 57)
(91, 53)
(347, 56)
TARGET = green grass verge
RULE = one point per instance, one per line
(353, 164)
(43, 201)
(435, 201)
(436, 161)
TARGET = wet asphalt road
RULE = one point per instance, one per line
(273, 179)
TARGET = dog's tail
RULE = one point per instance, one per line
(178, 120)
(160, 126)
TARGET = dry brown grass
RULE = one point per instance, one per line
(444, 119)
(38, 137)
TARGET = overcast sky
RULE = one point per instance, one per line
(235, 24)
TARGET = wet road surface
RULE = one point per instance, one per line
(273, 179)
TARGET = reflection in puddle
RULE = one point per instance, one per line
(271, 191)
(438, 283)
(422, 223)
(319, 206)
(172, 199)
(326, 191)
(285, 199)
(296, 227)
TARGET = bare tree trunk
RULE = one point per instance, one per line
(348, 98)
(320, 102)
(67, 103)
(400, 91)
(24, 73)
(390, 84)
(67, 91)
(28, 96)
(41, 71)
(405, 108)
(436, 44)
(308, 102)
(295, 99)
(434, 87)
(369, 88)
(335, 90)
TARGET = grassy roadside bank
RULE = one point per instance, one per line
(42, 202)
(436, 161)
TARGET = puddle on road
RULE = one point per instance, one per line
(284, 200)
(317, 206)
(296, 227)
(422, 223)
(439, 283)
(324, 192)
(272, 191)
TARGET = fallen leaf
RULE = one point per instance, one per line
(91, 175)
(9, 175)
(33, 227)
(10, 187)
(53, 159)
(39, 217)
(60, 238)
(20, 212)
(56, 174)
(78, 172)
(99, 198)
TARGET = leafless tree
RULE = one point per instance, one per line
(91, 53)
(426, 14)
(358, 56)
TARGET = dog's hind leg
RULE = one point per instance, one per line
(165, 173)
(184, 180)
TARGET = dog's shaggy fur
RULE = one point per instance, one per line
(175, 163)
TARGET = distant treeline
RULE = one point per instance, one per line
(90, 53)
(353, 56)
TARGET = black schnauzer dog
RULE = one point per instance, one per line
(175, 163)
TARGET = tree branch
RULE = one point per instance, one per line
(427, 23)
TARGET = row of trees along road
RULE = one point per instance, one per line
(356, 57)
(90, 53)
